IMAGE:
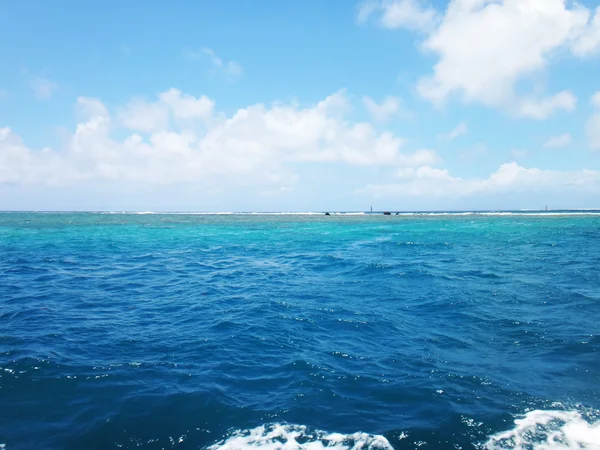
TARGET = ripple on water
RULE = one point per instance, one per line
(161, 331)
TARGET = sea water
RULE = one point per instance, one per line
(300, 331)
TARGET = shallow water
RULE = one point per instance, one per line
(259, 331)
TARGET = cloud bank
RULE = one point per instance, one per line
(509, 178)
(179, 137)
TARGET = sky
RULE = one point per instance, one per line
(340, 105)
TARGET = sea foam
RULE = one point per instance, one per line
(299, 437)
(548, 430)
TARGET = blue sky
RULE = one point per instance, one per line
(240, 105)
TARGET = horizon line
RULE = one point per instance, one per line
(366, 212)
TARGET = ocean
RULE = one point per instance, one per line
(300, 331)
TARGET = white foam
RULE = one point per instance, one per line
(549, 430)
(232, 213)
(540, 214)
(507, 213)
(299, 437)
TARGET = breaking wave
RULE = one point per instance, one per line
(549, 430)
(299, 437)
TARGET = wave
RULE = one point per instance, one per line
(504, 213)
(536, 430)
(548, 430)
(541, 214)
(359, 213)
(232, 213)
(299, 437)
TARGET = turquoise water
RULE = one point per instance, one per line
(248, 331)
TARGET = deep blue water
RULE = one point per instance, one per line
(174, 331)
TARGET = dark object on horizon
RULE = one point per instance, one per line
(327, 214)
(397, 213)
(387, 213)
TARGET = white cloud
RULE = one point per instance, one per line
(486, 48)
(508, 179)
(588, 41)
(383, 111)
(592, 126)
(460, 130)
(12, 155)
(564, 140)
(187, 106)
(43, 88)
(91, 109)
(366, 9)
(231, 70)
(542, 108)
(423, 157)
(408, 14)
(405, 173)
(254, 145)
(143, 116)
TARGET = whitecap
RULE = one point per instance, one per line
(548, 430)
(299, 437)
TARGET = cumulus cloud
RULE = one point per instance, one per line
(423, 157)
(510, 178)
(544, 107)
(393, 14)
(564, 140)
(588, 40)
(383, 111)
(186, 106)
(592, 126)
(143, 116)
(43, 88)
(257, 142)
(261, 146)
(485, 48)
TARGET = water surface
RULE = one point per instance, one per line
(236, 331)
